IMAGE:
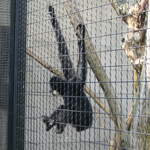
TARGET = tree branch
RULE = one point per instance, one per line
(95, 64)
(143, 125)
(142, 7)
(118, 7)
(132, 15)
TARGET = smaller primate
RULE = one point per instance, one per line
(76, 110)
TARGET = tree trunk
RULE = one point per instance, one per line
(143, 126)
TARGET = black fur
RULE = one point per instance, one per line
(77, 109)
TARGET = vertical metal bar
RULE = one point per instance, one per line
(20, 60)
(17, 75)
(12, 101)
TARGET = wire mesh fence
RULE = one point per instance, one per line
(83, 84)
(4, 66)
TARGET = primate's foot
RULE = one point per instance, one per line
(60, 128)
(45, 119)
(48, 122)
(51, 9)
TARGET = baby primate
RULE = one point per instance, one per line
(76, 109)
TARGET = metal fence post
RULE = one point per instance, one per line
(17, 75)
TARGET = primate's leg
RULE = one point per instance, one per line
(59, 118)
(84, 116)
(66, 63)
(82, 64)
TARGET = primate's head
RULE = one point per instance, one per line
(80, 31)
(57, 85)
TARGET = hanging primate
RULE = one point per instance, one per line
(76, 110)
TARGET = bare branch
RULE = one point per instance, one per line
(143, 125)
(142, 7)
(132, 15)
(133, 111)
(119, 6)
(94, 62)
(43, 63)
(97, 100)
